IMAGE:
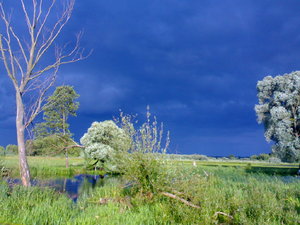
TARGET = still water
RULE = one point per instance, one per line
(79, 185)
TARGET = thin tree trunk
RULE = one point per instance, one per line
(64, 128)
(67, 159)
(23, 164)
(64, 133)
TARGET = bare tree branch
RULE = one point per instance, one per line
(37, 106)
(26, 15)
(224, 214)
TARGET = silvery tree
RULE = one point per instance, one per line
(31, 58)
(103, 141)
(279, 111)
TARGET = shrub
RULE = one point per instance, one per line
(1, 167)
(11, 149)
(274, 160)
(231, 157)
(51, 145)
(187, 157)
(263, 157)
(253, 157)
(200, 157)
(2, 150)
(144, 165)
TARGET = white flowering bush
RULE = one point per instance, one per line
(144, 164)
(279, 111)
(103, 142)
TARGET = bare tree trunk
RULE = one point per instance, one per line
(24, 62)
(23, 164)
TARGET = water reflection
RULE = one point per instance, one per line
(79, 185)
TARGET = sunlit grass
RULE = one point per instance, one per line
(245, 197)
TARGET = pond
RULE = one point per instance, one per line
(79, 185)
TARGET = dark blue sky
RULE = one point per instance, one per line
(196, 63)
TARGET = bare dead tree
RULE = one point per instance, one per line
(29, 62)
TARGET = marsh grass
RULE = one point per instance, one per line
(242, 198)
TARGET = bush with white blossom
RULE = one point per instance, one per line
(104, 141)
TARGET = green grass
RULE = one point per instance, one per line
(48, 166)
(242, 197)
(238, 163)
(250, 167)
(55, 166)
(40, 161)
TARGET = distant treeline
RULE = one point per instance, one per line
(200, 157)
(52, 146)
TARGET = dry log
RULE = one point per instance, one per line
(224, 214)
(180, 199)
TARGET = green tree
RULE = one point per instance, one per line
(51, 145)
(279, 111)
(57, 110)
(55, 130)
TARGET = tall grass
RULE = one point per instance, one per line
(225, 195)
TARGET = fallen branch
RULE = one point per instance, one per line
(206, 174)
(180, 199)
(224, 214)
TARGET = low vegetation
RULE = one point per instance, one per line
(225, 195)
